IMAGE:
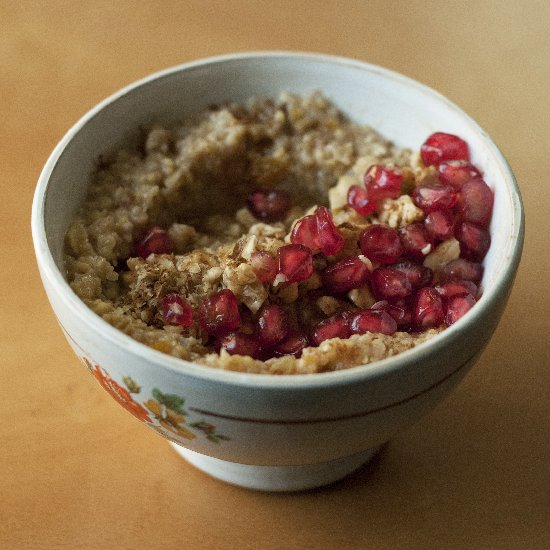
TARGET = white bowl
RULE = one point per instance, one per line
(261, 431)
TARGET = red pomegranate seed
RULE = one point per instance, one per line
(272, 325)
(239, 343)
(156, 241)
(457, 172)
(219, 313)
(372, 320)
(474, 241)
(358, 199)
(434, 196)
(382, 182)
(440, 224)
(268, 205)
(457, 306)
(293, 344)
(295, 262)
(400, 311)
(305, 232)
(416, 241)
(336, 326)
(390, 284)
(176, 310)
(381, 244)
(461, 270)
(330, 240)
(417, 274)
(457, 287)
(345, 275)
(428, 309)
(264, 266)
(475, 202)
(441, 147)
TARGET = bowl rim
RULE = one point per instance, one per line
(376, 369)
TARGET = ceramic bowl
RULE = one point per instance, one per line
(261, 431)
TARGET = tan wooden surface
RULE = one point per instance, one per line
(77, 471)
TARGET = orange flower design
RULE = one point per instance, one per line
(121, 394)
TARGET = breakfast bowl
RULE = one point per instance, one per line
(277, 432)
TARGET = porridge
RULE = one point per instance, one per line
(279, 237)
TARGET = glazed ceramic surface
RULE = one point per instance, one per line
(293, 421)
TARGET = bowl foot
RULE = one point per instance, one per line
(276, 478)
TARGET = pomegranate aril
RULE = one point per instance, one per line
(176, 310)
(390, 284)
(428, 309)
(457, 306)
(441, 147)
(219, 313)
(330, 240)
(155, 241)
(345, 275)
(336, 326)
(417, 242)
(372, 320)
(461, 270)
(474, 241)
(358, 199)
(400, 311)
(239, 343)
(272, 325)
(475, 202)
(434, 196)
(264, 266)
(457, 287)
(382, 182)
(305, 232)
(268, 205)
(457, 172)
(417, 274)
(381, 244)
(293, 344)
(295, 262)
(440, 224)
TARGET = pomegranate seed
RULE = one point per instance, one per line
(336, 326)
(273, 325)
(390, 284)
(176, 311)
(416, 240)
(305, 232)
(239, 343)
(457, 306)
(475, 202)
(330, 240)
(434, 196)
(358, 199)
(417, 274)
(293, 344)
(268, 205)
(295, 262)
(399, 310)
(457, 172)
(428, 309)
(474, 241)
(156, 241)
(345, 275)
(461, 270)
(381, 244)
(373, 320)
(457, 287)
(382, 182)
(219, 313)
(441, 147)
(264, 266)
(440, 224)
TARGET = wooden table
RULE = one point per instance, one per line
(77, 471)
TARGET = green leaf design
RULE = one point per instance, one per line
(170, 400)
(131, 385)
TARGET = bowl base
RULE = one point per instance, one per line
(276, 478)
